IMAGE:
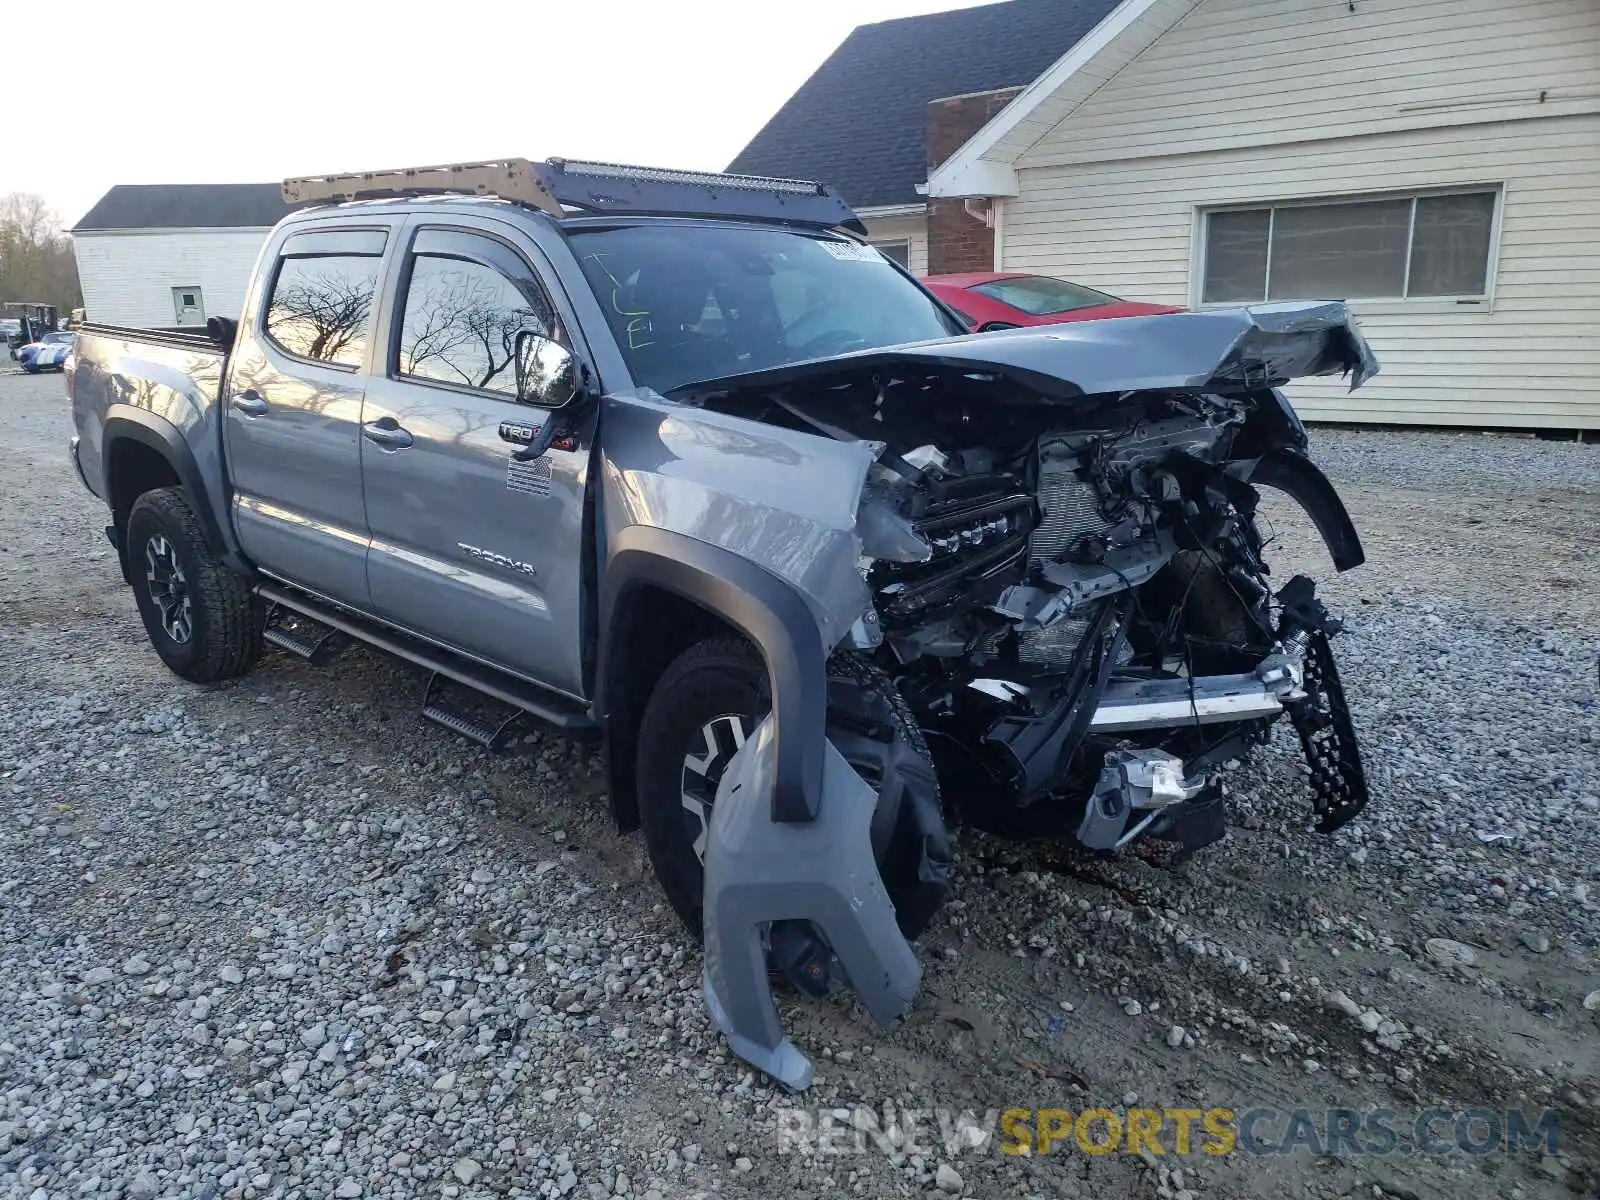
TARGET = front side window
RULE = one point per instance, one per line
(690, 303)
(461, 323)
(1390, 247)
(321, 307)
(1041, 296)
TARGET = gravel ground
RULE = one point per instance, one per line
(282, 938)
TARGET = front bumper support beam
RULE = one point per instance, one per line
(1204, 700)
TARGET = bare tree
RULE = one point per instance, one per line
(36, 259)
(321, 313)
(461, 324)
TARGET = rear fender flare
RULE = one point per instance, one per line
(126, 422)
(767, 610)
(1299, 478)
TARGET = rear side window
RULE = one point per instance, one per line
(321, 307)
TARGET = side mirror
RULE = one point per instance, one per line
(547, 373)
(222, 330)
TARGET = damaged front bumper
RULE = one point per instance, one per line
(822, 876)
(761, 872)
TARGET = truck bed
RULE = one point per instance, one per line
(172, 376)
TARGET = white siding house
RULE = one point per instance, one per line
(901, 232)
(144, 277)
(172, 255)
(1435, 162)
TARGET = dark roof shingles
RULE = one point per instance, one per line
(187, 206)
(857, 123)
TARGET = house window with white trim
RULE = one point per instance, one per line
(899, 250)
(1431, 245)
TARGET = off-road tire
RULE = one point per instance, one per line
(226, 619)
(714, 677)
(725, 675)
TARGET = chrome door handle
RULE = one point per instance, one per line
(250, 403)
(386, 431)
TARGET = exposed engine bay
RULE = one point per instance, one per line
(1068, 590)
(1072, 597)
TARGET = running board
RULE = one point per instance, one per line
(562, 712)
(1171, 703)
(313, 646)
(491, 736)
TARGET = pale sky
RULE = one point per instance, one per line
(155, 91)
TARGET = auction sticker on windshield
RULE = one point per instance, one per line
(853, 252)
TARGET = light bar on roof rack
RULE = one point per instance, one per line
(613, 188)
(755, 183)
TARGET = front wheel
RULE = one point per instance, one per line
(704, 706)
(200, 616)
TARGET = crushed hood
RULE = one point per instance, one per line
(1221, 350)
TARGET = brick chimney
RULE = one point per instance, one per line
(958, 241)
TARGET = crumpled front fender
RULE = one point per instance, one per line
(780, 498)
(758, 523)
(759, 871)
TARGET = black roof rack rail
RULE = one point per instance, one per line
(559, 185)
(598, 187)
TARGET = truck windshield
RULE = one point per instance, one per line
(695, 302)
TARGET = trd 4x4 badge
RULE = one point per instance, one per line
(512, 431)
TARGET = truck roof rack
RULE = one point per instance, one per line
(508, 178)
(566, 187)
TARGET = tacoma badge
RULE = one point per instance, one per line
(499, 560)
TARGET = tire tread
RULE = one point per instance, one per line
(232, 623)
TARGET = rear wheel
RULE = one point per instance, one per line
(200, 617)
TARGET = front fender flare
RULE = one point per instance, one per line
(1299, 478)
(763, 607)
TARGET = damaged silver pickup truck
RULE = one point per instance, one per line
(682, 462)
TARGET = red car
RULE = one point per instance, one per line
(1009, 300)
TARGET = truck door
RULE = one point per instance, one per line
(471, 548)
(293, 411)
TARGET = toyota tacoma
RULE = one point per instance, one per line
(681, 462)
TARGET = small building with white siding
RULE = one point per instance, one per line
(1434, 162)
(172, 255)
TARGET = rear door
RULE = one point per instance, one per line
(471, 548)
(292, 409)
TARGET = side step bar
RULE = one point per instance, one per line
(489, 735)
(557, 710)
(314, 646)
